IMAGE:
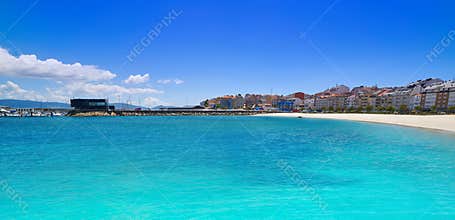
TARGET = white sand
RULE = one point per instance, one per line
(439, 122)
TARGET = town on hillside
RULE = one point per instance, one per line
(431, 95)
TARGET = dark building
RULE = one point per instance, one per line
(285, 105)
(92, 104)
(299, 95)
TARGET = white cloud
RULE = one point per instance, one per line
(178, 81)
(136, 79)
(164, 81)
(72, 80)
(152, 101)
(167, 81)
(31, 66)
(11, 90)
(101, 90)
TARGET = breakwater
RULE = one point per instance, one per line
(203, 112)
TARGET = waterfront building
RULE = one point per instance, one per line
(428, 100)
(365, 97)
(401, 98)
(451, 100)
(285, 105)
(425, 82)
(213, 103)
(442, 99)
(91, 104)
(299, 95)
(449, 87)
(332, 99)
(437, 96)
(238, 102)
(226, 102)
(252, 100)
(350, 102)
(365, 100)
(337, 102)
(321, 103)
(297, 103)
(272, 99)
(383, 98)
(308, 103)
(415, 101)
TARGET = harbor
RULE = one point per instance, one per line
(32, 112)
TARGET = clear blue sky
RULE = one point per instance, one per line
(227, 47)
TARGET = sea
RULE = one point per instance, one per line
(223, 167)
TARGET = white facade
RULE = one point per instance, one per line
(308, 103)
(400, 98)
(430, 100)
(350, 102)
(321, 103)
(451, 99)
(415, 101)
(296, 101)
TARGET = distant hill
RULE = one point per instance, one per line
(14, 103)
(126, 106)
(163, 106)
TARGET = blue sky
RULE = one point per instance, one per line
(214, 48)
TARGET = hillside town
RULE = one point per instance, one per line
(431, 95)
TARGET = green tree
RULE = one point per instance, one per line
(418, 108)
(452, 109)
(351, 109)
(369, 108)
(433, 109)
(359, 109)
(390, 109)
(331, 109)
(403, 109)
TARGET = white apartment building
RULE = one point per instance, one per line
(400, 98)
(430, 100)
(451, 88)
(320, 103)
(451, 101)
(308, 103)
(350, 102)
(415, 101)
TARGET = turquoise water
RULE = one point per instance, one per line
(223, 168)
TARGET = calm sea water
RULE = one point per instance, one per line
(223, 168)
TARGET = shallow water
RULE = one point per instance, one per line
(223, 168)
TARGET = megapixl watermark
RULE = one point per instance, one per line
(299, 181)
(153, 34)
(441, 46)
(13, 195)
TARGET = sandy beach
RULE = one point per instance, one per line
(438, 122)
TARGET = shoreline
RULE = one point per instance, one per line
(78, 113)
(434, 122)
